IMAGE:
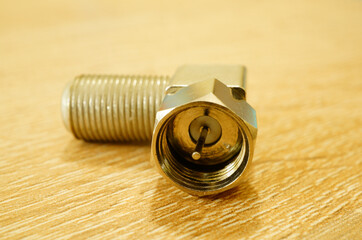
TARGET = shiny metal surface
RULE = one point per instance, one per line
(204, 131)
(112, 107)
(186, 111)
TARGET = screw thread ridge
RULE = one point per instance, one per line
(113, 107)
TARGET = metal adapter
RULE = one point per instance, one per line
(204, 131)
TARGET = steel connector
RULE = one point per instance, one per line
(205, 131)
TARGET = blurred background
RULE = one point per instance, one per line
(158, 36)
(298, 53)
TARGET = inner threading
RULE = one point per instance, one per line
(201, 177)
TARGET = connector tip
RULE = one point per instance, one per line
(196, 155)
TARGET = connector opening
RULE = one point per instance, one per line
(209, 175)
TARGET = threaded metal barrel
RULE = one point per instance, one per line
(112, 107)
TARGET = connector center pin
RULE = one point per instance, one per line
(196, 155)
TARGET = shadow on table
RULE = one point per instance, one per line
(225, 214)
(119, 155)
(229, 213)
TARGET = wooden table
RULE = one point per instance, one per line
(304, 62)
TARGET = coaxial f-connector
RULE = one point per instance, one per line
(204, 131)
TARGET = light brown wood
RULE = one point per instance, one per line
(304, 62)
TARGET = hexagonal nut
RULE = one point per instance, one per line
(230, 110)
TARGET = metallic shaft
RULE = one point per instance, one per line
(196, 155)
(112, 107)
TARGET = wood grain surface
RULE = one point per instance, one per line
(304, 62)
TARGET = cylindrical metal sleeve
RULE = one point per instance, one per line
(112, 107)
